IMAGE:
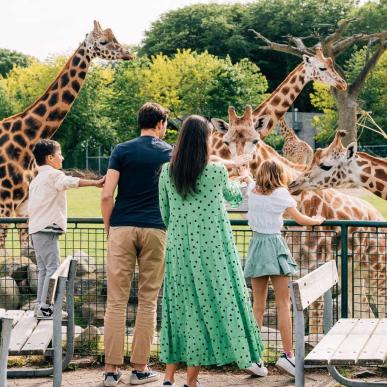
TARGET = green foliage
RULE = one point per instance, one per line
(105, 111)
(223, 30)
(9, 59)
(372, 98)
(185, 83)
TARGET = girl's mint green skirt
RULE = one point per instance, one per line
(269, 255)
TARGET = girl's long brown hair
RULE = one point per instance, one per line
(190, 155)
(270, 175)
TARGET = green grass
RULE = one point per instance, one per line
(378, 203)
(84, 203)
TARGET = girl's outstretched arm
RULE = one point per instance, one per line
(303, 219)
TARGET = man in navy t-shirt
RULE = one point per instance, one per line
(136, 233)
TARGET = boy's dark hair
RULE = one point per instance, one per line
(44, 148)
(150, 114)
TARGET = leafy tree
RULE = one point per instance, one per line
(372, 98)
(223, 30)
(9, 59)
(186, 83)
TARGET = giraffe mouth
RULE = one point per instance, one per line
(342, 86)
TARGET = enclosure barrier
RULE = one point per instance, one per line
(359, 249)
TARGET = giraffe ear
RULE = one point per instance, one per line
(351, 150)
(261, 123)
(220, 125)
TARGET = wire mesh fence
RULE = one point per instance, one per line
(359, 249)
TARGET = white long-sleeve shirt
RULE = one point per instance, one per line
(47, 203)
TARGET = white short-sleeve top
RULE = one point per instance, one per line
(265, 212)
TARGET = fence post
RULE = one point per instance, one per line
(5, 338)
(344, 271)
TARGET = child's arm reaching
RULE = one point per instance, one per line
(302, 219)
(92, 183)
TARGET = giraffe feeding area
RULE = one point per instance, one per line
(332, 181)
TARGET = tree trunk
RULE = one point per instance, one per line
(347, 108)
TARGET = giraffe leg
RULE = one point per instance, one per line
(4, 213)
(25, 243)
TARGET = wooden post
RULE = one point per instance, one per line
(5, 337)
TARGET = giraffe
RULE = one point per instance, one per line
(269, 112)
(330, 204)
(343, 167)
(20, 132)
(294, 149)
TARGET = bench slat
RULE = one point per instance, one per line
(324, 350)
(16, 315)
(309, 288)
(21, 332)
(375, 351)
(349, 350)
(39, 339)
(61, 271)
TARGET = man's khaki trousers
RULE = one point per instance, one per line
(126, 246)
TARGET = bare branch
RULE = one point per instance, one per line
(358, 83)
(287, 48)
(343, 44)
(338, 33)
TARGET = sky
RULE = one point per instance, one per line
(43, 27)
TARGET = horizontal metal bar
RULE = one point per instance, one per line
(234, 222)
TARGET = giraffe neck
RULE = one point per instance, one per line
(286, 132)
(43, 118)
(278, 103)
(373, 174)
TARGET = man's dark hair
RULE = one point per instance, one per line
(192, 140)
(44, 148)
(150, 114)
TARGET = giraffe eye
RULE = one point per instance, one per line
(322, 68)
(226, 143)
(325, 167)
(255, 142)
(103, 42)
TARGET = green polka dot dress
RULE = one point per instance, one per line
(207, 317)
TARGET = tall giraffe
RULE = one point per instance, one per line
(294, 149)
(19, 133)
(269, 112)
(343, 167)
(330, 204)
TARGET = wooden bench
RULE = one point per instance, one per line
(22, 334)
(349, 342)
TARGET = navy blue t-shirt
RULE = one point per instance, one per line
(139, 162)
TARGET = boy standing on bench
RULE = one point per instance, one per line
(47, 211)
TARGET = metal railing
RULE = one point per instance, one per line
(359, 248)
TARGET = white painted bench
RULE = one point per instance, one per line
(22, 334)
(349, 342)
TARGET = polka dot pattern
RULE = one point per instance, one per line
(207, 316)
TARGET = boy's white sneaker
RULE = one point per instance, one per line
(258, 369)
(287, 364)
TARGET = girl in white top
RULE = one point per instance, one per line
(269, 256)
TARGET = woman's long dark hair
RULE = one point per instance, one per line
(191, 154)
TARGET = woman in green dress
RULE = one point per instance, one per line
(207, 316)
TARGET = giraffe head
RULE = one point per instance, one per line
(240, 134)
(103, 44)
(319, 68)
(332, 167)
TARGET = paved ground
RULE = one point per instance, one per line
(86, 377)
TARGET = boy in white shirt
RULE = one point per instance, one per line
(47, 211)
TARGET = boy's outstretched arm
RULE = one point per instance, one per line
(92, 183)
(107, 196)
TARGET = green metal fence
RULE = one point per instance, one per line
(359, 248)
